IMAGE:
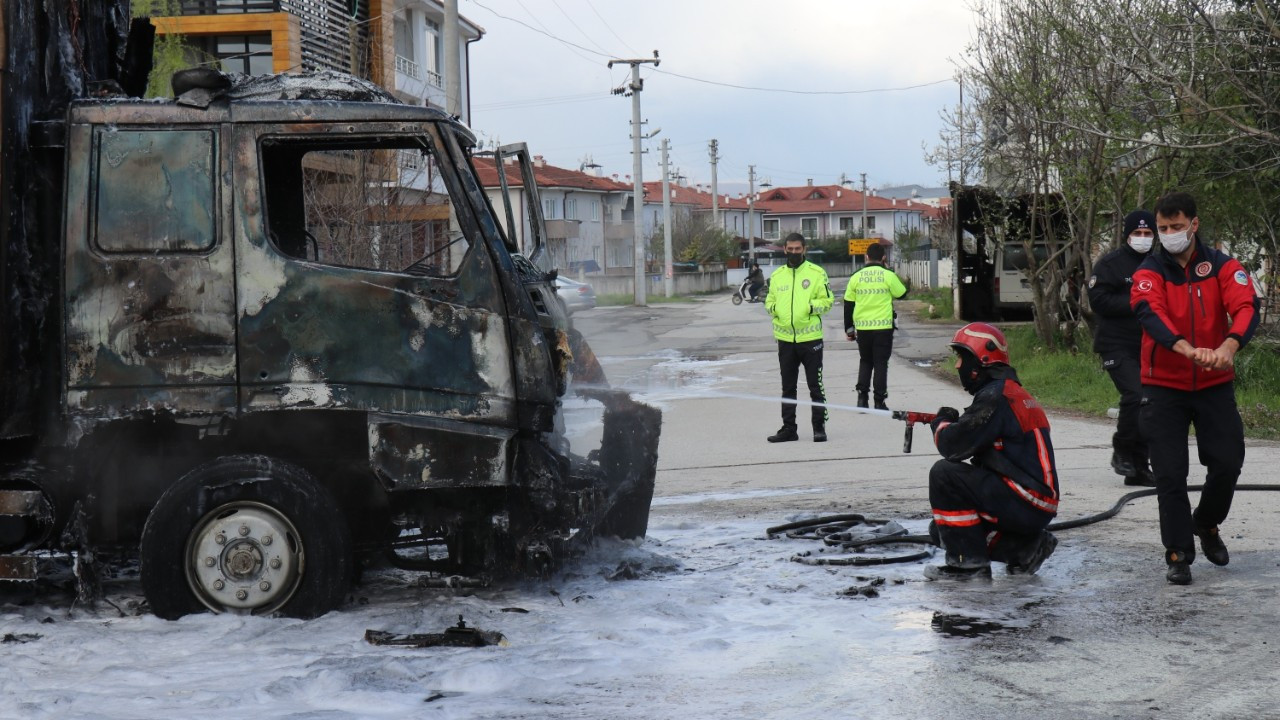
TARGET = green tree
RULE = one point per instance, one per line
(172, 53)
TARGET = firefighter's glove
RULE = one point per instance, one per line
(945, 415)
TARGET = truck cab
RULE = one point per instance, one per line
(291, 330)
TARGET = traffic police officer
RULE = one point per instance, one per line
(868, 318)
(798, 296)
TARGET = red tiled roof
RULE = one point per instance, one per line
(832, 198)
(547, 176)
(701, 199)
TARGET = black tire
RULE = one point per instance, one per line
(737, 298)
(248, 493)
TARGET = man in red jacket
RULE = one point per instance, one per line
(1197, 308)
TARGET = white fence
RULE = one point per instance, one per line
(685, 283)
(933, 273)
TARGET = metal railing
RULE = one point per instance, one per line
(435, 79)
(405, 66)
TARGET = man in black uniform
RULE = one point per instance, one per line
(997, 505)
(1118, 340)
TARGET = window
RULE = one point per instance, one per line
(846, 224)
(595, 210)
(548, 209)
(871, 222)
(246, 54)
(809, 228)
(571, 209)
(354, 203)
(155, 190)
(770, 228)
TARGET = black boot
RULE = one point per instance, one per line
(1121, 460)
(1031, 561)
(862, 400)
(1179, 568)
(786, 433)
(1212, 546)
(819, 432)
(880, 404)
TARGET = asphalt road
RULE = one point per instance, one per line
(1098, 633)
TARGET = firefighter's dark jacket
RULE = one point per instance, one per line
(1118, 329)
(1005, 431)
(1208, 301)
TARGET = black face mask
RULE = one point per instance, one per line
(794, 260)
(972, 375)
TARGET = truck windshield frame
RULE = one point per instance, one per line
(373, 201)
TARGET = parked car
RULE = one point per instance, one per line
(575, 295)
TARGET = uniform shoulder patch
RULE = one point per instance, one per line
(1144, 285)
(1204, 268)
(1241, 277)
(805, 284)
(1093, 280)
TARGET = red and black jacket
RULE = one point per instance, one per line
(1208, 301)
(1006, 431)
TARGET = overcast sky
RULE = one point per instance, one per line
(539, 75)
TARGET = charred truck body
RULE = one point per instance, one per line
(998, 246)
(256, 330)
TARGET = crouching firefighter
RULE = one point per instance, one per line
(997, 505)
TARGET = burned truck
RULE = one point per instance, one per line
(273, 325)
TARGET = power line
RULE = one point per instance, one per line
(575, 25)
(609, 28)
(804, 92)
(715, 82)
(541, 32)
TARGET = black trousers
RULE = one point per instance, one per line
(874, 349)
(979, 518)
(1166, 415)
(1126, 374)
(791, 356)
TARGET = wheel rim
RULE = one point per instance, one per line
(244, 558)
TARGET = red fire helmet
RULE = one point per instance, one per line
(986, 342)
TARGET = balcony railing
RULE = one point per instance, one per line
(405, 66)
(434, 78)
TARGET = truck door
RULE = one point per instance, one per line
(361, 288)
(149, 291)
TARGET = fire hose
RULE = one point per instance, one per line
(834, 530)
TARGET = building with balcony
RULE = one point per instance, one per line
(586, 215)
(397, 44)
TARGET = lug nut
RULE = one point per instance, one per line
(244, 530)
(241, 594)
(275, 563)
(209, 561)
(220, 539)
(266, 539)
(218, 585)
(264, 586)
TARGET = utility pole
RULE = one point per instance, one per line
(865, 234)
(960, 113)
(668, 277)
(452, 71)
(634, 88)
(751, 214)
(712, 149)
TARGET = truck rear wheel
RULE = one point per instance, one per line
(246, 534)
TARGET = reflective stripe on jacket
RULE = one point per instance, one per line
(1006, 431)
(872, 291)
(796, 301)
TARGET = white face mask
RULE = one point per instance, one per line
(1176, 242)
(1140, 243)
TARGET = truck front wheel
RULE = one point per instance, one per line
(246, 534)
